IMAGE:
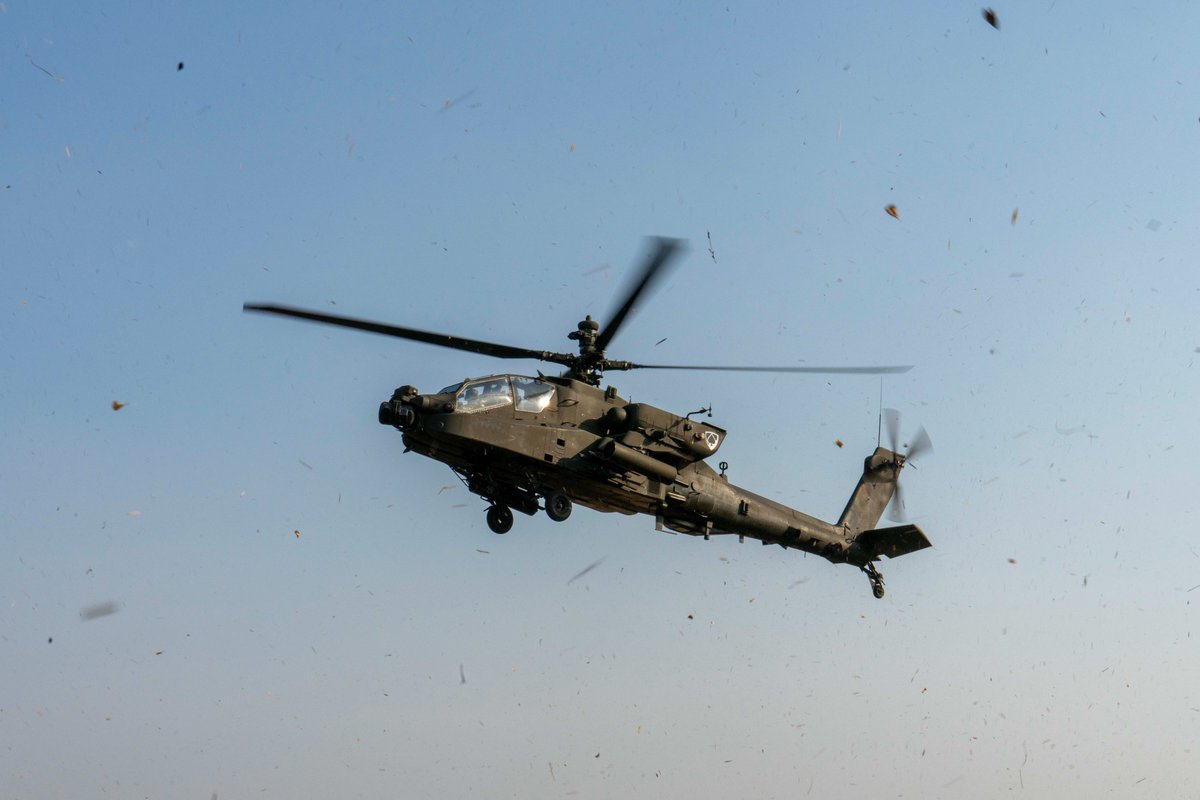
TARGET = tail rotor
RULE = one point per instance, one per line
(919, 444)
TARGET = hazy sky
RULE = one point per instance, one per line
(492, 172)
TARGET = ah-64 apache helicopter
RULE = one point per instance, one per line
(529, 443)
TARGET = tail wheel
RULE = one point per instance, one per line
(558, 506)
(876, 580)
(500, 518)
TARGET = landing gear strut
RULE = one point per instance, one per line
(500, 518)
(875, 578)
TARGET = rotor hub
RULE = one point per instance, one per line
(586, 334)
(588, 366)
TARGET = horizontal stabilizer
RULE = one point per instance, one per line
(893, 542)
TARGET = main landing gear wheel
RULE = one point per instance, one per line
(876, 580)
(558, 506)
(500, 518)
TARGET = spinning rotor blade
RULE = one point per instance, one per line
(921, 443)
(891, 421)
(440, 339)
(895, 509)
(650, 273)
(811, 370)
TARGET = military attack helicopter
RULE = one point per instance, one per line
(548, 442)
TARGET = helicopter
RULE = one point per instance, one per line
(528, 444)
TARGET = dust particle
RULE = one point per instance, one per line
(98, 610)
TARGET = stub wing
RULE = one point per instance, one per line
(893, 542)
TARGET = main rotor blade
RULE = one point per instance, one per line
(429, 337)
(811, 370)
(650, 273)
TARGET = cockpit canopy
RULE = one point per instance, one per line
(528, 395)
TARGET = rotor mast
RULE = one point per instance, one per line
(587, 367)
(590, 364)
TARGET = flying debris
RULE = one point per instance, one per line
(586, 570)
(88, 613)
(53, 76)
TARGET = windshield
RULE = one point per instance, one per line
(532, 395)
(451, 389)
(483, 395)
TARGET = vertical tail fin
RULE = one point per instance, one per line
(873, 493)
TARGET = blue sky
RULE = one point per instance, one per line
(492, 172)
